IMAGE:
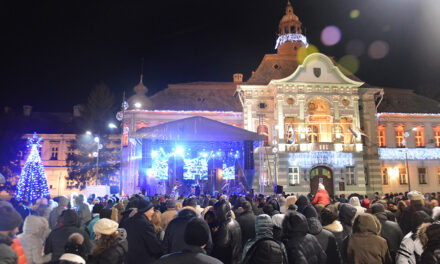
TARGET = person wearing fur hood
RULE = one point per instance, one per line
(35, 231)
(354, 201)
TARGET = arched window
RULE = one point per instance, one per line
(312, 133)
(419, 136)
(263, 131)
(400, 137)
(437, 137)
(381, 136)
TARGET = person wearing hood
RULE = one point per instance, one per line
(143, 245)
(346, 216)
(35, 231)
(354, 201)
(326, 239)
(111, 244)
(330, 222)
(301, 246)
(282, 202)
(431, 254)
(365, 245)
(196, 236)
(82, 210)
(54, 215)
(390, 230)
(305, 208)
(416, 204)
(246, 220)
(264, 248)
(97, 208)
(277, 221)
(227, 235)
(270, 210)
(10, 221)
(58, 237)
(321, 196)
(174, 234)
(411, 247)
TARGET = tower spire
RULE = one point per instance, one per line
(290, 37)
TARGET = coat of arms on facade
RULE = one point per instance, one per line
(317, 72)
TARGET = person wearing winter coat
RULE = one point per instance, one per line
(143, 245)
(321, 196)
(354, 201)
(346, 216)
(326, 239)
(416, 204)
(263, 248)
(111, 244)
(196, 236)
(365, 245)
(277, 221)
(82, 210)
(431, 254)
(227, 235)
(169, 214)
(390, 230)
(35, 231)
(246, 220)
(16, 246)
(305, 208)
(301, 246)
(58, 238)
(174, 234)
(411, 247)
(97, 208)
(10, 221)
(330, 222)
(55, 214)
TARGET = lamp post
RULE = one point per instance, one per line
(275, 150)
(120, 117)
(406, 134)
(96, 154)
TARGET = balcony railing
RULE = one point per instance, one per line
(321, 146)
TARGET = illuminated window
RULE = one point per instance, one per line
(419, 136)
(54, 155)
(385, 178)
(347, 135)
(349, 174)
(293, 176)
(263, 131)
(381, 136)
(403, 177)
(437, 136)
(422, 175)
(400, 137)
(312, 134)
(438, 174)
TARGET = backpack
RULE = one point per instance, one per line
(253, 253)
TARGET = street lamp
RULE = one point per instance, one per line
(406, 134)
(112, 125)
(137, 105)
(275, 150)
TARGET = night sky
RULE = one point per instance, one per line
(55, 52)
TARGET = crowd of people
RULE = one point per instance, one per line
(234, 229)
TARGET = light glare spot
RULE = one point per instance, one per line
(331, 35)
(378, 49)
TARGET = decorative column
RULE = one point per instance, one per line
(301, 127)
(280, 120)
(250, 125)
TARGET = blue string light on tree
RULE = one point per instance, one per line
(32, 184)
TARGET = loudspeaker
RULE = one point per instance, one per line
(248, 155)
(114, 189)
(278, 189)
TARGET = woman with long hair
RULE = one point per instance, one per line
(400, 206)
(111, 243)
(156, 220)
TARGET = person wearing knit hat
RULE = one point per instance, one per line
(142, 240)
(111, 243)
(196, 236)
(169, 214)
(10, 220)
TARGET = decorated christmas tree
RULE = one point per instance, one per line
(33, 183)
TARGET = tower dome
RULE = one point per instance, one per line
(290, 37)
(140, 100)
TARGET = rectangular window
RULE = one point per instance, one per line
(293, 176)
(381, 136)
(437, 138)
(400, 138)
(385, 179)
(419, 136)
(422, 175)
(341, 186)
(54, 155)
(403, 177)
(349, 174)
(438, 174)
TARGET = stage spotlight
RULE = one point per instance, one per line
(179, 151)
(203, 154)
(153, 153)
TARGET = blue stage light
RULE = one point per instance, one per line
(154, 154)
(179, 151)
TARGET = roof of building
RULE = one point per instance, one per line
(407, 101)
(196, 128)
(206, 96)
